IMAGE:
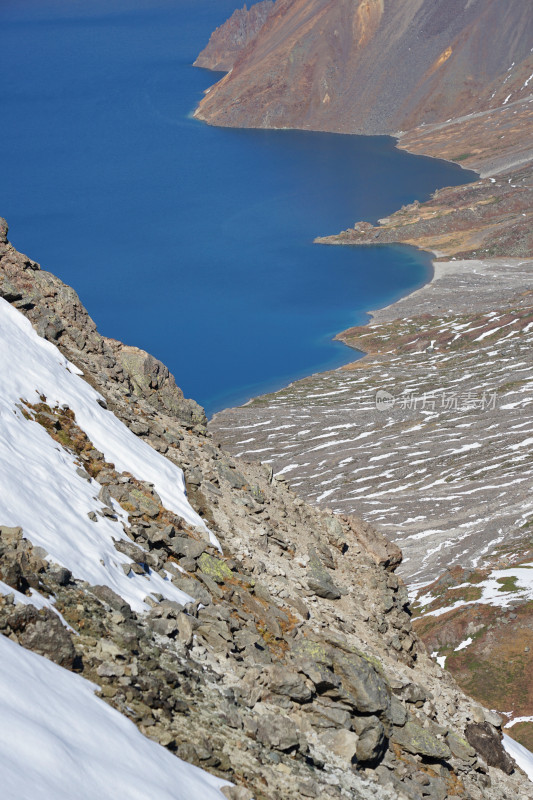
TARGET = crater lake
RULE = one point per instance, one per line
(189, 241)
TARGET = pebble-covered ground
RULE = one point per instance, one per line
(430, 437)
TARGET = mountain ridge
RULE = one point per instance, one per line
(370, 67)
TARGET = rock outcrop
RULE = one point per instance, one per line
(373, 66)
(295, 671)
(228, 42)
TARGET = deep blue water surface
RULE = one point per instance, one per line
(192, 242)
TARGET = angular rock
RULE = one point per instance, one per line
(151, 379)
(365, 688)
(343, 743)
(380, 549)
(108, 669)
(43, 633)
(372, 741)
(214, 568)
(193, 588)
(282, 681)
(187, 547)
(460, 747)
(111, 598)
(11, 573)
(414, 693)
(194, 477)
(134, 552)
(326, 682)
(10, 536)
(185, 629)
(61, 575)
(418, 740)
(210, 585)
(147, 505)
(486, 741)
(257, 494)
(159, 537)
(165, 627)
(398, 712)
(491, 717)
(328, 715)
(232, 476)
(236, 793)
(319, 580)
(139, 428)
(336, 533)
(278, 733)
(318, 653)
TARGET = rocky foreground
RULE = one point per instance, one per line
(289, 666)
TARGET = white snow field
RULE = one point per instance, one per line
(41, 490)
(58, 741)
(522, 756)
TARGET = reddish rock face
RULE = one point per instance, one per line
(366, 66)
(228, 41)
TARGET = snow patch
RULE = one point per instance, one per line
(41, 490)
(59, 741)
(522, 756)
(463, 644)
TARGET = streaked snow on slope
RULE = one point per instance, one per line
(41, 490)
(502, 588)
(522, 756)
(443, 466)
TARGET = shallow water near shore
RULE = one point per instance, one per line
(192, 242)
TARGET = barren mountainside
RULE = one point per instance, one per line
(244, 631)
(369, 66)
(228, 41)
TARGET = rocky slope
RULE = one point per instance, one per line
(285, 661)
(228, 41)
(371, 66)
(490, 218)
(413, 437)
(390, 438)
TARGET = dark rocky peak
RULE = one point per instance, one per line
(229, 40)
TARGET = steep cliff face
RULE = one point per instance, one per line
(371, 66)
(227, 42)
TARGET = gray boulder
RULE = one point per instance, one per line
(278, 733)
(319, 580)
(365, 688)
(415, 739)
(282, 681)
(372, 741)
(112, 599)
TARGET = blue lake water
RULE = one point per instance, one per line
(192, 242)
